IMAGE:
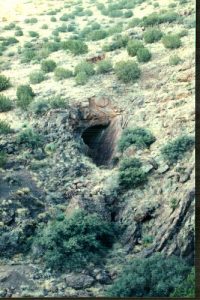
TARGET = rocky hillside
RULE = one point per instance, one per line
(97, 148)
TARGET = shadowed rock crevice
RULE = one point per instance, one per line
(101, 141)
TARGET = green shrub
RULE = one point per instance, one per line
(128, 14)
(186, 288)
(29, 138)
(28, 55)
(31, 21)
(134, 22)
(118, 28)
(81, 78)
(86, 67)
(143, 55)
(19, 32)
(175, 150)
(5, 128)
(155, 276)
(133, 47)
(52, 46)
(53, 19)
(115, 13)
(152, 35)
(48, 66)
(3, 159)
(62, 28)
(95, 26)
(10, 41)
(36, 77)
(140, 137)
(44, 26)
(61, 73)
(74, 241)
(25, 96)
(4, 83)
(58, 102)
(97, 35)
(118, 43)
(171, 41)
(40, 106)
(174, 60)
(5, 104)
(131, 174)
(104, 66)
(76, 47)
(33, 34)
(64, 17)
(9, 26)
(127, 71)
(159, 18)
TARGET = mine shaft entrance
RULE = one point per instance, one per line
(101, 141)
(94, 138)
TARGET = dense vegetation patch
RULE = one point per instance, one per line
(5, 127)
(140, 137)
(29, 138)
(187, 287)
(131, 174)
(4, 83)
(133, 46)
(127, 71)
(5, 103)
(143, 55)
(77, 47)
(104, 66)
(25, 96)
(152, 35)
(48, 66)
(171, 41)
(36, 77)
(176, 149)
(156, 276)
(62, 73)
(73, 242)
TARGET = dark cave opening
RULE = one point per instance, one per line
(94, 138)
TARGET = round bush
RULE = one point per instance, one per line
(97, 35)
(128, 14)
(29, 138)
(143, 55)
(140, 137)
(19, 32)
(127, 71)
(61, 73)
(131, 174)
(5, 104)
(33, 34)
(25, 96)
(174, 60)
(5, 128)
(81, 78)
(155, 276)
(4, 83)
(74, 241)
(76, 47)
(133, 46)
(36, 77)
(86, 67)
(48, 66)
(171, 41)
(175, 150)
(104, 66)
(152, 35)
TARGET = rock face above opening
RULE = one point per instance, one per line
(99, 124)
